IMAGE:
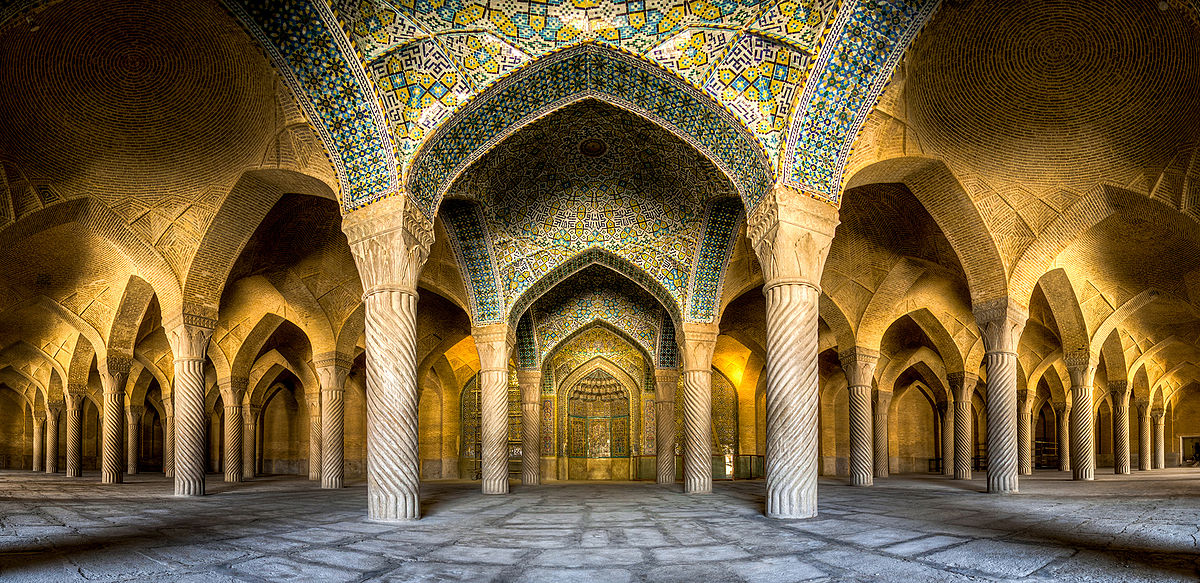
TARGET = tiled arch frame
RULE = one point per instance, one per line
(608, 327)
(589, 71)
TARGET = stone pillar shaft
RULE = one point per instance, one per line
(861, 437)
(1025, 433)
(1160, 441)
(233, 441)
(697, 431)
(37, 455)
(169, 445)
(332, 371)
(1000, 324)
(314, 436)
(74, 435)
(1144, 435)
(962, 389)
(882, 462)
(1120, 415)
(493, 344)
(52, 440)
(530, 381)
(947, 410)
(1062, 424)
(1083, 461)
(113, 379)
(189, 341)
(666, 382)
(249, 431)
(133, 434)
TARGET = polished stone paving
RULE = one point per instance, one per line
(1144, 527)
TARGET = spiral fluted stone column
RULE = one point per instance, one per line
(494, 344)
(859, 366)
(791, 233)
(962, 387)
(946, 408)
(390, 241)
(52, 439)
(189, 335)
(696, 351)
(233, 391)
(332, 370)
(1143, 434)
(168, 427)
(74, 402)
(1062, 415)
(665, 383)
(133, 434)
(1082, 369)
(1001, 322)
(881, 464)
(39, 437)
(112, 464)
(1024, 433)
(249, 437)
(530, 381)
(313, 400)
(1160, 441)
(1120, 415)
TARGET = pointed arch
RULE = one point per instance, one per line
(1065, 306)
(951, 207)
(605, 325)
(1109, 325)
(833, 316)
(588, 71)
(880, 312)
(135, 300)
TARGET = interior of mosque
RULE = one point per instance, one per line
(584, 177)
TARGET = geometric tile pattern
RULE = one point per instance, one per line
(527, 348)
(694, 52)
(757, 80)
(855, 63)
(481, 57)
(668, 350)
(589, 71)
(470, 242)
(419, 86)
(331, 87)
(597, 341)
(719, 232)
(596, 294)
(375, 26)
(799, 24)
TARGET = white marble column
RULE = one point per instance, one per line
(74, 402)
(1082, 369)
(946, 408)
(1001, 322)
(52, 414)
(133, 434)
(1120, 414)
(113, 378)
(249, 447)
(189, 335)
(881, 464)
(530, 381)
(1025, 432)
(697, 343)
(1144, 456)
(791, 233)
(390, 240)
(39, 437)
(859, 366)
(1062, 416)
(494, 344)
(1160, 441)
(666, 381)
(332, 370)
(962, 388)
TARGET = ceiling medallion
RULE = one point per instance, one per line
(593, 147)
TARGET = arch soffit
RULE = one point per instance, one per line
(927, 363)
(942, 195)
(23, 351)
(264, 372)
(596, 72)
(601, 363)
(604, 325)
(836, 319)
(248, 350)
(1068, 315)
(880, 313)
(939, 334)
(135, 300)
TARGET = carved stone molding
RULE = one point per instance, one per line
(390, 241)
(1001, 322)
(791, 234)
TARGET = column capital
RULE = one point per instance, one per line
(666, 381)
(135, 410)
(390, 240)
(1118, 389)
(882, 399)
(494, 343)
(962, 384)
(54, 409)
(1157, 414)
(696, 345)
(859, 365)
(233, 389)
(943, 406)
(1060, 407)
(530, 382)
(1000, 322)
(332, 360)
(1143, 406)
(39, 415)
(1081, 366)
(332, 371)
(791, 233)
(189, 336)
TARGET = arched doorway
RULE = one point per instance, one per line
(598, 428)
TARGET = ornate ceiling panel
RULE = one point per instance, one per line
(597, 293)
(598, 342)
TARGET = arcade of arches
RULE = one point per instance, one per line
(677, 242)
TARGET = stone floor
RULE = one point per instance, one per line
(912, 529)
